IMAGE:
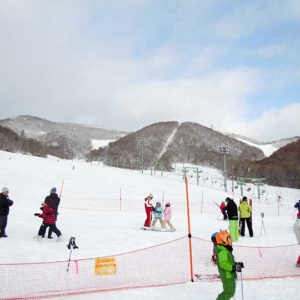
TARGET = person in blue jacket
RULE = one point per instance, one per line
(158, 213)
(214, 241)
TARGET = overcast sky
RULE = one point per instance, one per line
(126, 64)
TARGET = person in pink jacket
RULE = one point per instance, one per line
(168, 217)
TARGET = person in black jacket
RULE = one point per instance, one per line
(53, 201)
(233, 217)
(5, 203)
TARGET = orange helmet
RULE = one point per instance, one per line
(223, 238)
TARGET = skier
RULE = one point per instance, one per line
(168, 216)
(48, 221)
(5, 203)
(214, 241)
(158, 212)
(223, 211)
(148, 209)
(53, 201)
(245, 211)
(296, 229)
(231, 209)
(227, 266)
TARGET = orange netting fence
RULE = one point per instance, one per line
(164, 264)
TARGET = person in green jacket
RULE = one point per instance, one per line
(227, 266)
(245, 211)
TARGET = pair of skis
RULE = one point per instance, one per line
(204, 277)
(157, 229)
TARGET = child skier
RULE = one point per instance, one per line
(158, 210)
(168, 217)
(214, 241)
(223, 211)
(296, 229)
(48, 221)
(227, 266)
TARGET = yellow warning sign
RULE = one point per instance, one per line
(105, 266)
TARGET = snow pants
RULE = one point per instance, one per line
(148, 216)
(169, 223)
(160, 221)
(234, 230)
(249, 225)
(3, 223)
(53, 227)
(296, 229)
(50, 230)
(228, 289)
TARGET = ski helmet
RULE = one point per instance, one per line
(223, 238)
(150, 196)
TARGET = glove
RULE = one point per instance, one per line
(36, 214)
(238, 267)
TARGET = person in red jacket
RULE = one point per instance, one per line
(148, 209)
(53, 201)
(48, 217)
(223, 211)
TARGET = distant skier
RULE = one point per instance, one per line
(296, 229)
(223, 211)
(168, 216)
(158, 214)
(227, 266)
(148, 210)
(245, 212)
(232, 212)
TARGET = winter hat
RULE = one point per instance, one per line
(168, 204)
(158, 202)
(53, 190)
(150, 196)
(227, 199)
(5, 189)
(245, 198)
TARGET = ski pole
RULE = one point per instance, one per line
(242, 286)
(71, 245)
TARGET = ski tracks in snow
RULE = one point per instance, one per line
(169, 140)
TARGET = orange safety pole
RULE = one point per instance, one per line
(189, 229)
(62, 185)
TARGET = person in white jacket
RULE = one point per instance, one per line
(168, 216)
(296, 229)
